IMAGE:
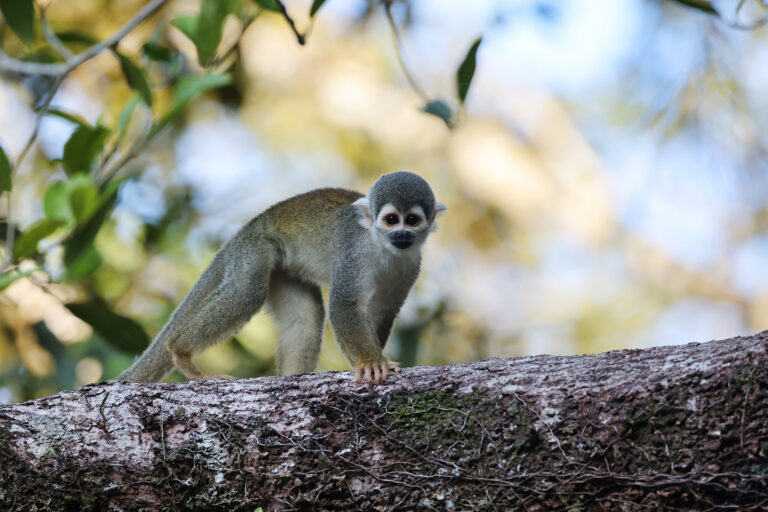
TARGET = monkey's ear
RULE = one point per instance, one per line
(363, 206)
(439, 210)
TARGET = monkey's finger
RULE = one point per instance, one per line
(367, 375)
(377, 374)
(359, 375)
(384, 371)
(395, 367)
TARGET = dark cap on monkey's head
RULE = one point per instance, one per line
(403, 190)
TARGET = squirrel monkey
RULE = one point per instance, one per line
(367, 249)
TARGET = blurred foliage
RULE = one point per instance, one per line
(101, 237)
(97, 158)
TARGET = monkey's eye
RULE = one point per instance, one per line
(412, 220)
(391, 219)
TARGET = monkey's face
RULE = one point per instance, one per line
(402, 229)
(398, 215)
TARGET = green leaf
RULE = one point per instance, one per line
(119, 331)
(466, 71)
(82, 239)
(83, 146)
(84, 265)
(159, 53)
(26, 245)
(440, 109)
(9, 277)
(172, 61)
(135, 77)
(56, 204)
(189, 26)
(187, 88)
(212, 14)
(20, 16)
(316, 5)
(72, 118)
(83, 200)
(75, 37)
(271, 5)
(5, 171)
(125, 116)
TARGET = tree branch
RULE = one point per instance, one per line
(678, 428)
(11, 65)
(58, 71)
(399, 52)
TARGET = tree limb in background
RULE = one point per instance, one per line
(11, 65)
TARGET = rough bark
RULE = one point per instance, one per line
(683, 427)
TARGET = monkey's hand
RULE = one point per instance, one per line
(375, 372)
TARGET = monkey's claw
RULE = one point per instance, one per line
(376, 372)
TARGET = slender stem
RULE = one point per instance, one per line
(398, 51)
(9, 64)
(41, 111)
(10, 233)
(52, 39)
(133, 153)
(59, 71)
(299, 36)
(247, 23)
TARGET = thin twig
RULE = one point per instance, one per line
(42, 110)
(743, 412)
(52, 39)
(299, 36)
(133, 153)
(59, 72)
(224, 56)
(10, 235)
(10, 228)
(11, 65)
(399, 52)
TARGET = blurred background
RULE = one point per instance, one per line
(607, 174)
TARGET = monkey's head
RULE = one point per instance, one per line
(400, 210)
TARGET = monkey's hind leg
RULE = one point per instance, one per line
(220, 310)
(297, 307)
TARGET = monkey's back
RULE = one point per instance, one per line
(304, 230)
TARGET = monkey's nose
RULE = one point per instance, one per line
(402, 238)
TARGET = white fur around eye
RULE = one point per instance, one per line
(418, 211)
(387, 210)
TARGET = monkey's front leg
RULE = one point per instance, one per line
(358, 341)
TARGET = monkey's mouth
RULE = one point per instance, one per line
(402, 239)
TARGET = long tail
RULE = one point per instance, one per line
(153, 364)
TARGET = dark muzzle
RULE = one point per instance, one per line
(402, 238)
